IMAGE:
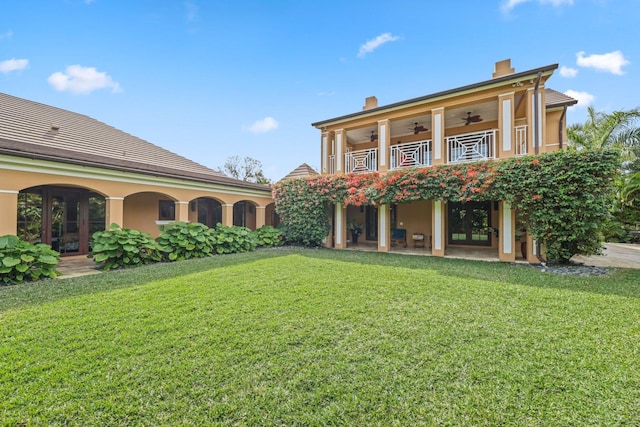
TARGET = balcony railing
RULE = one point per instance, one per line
(471, 147)
(410, 155)
(521, 140)
(361, 161)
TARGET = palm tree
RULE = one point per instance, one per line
(616, 130)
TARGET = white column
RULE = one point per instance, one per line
(507, 228)
(507, 124)
(324, 154)
(339, 151)
(437, 228)
(338, 224)
(382, 143)
(437, 120)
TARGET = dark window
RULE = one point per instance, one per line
(167, 210)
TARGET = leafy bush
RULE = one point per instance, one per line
(269, 236)
(121, 247)
(563, 197)
(182, 240)
(228, 240)
(22, 260)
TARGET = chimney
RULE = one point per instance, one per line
(503, 68)
(369, 103)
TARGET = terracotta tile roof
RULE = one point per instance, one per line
(302, 170)
(31, 129)
(558, 99)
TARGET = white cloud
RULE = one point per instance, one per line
(6, 35)
(13, 65)
(568, 72)
(265, 125)
(82, 80)
(373, 44)
(584, 98)
(508, 5)
(611, 62)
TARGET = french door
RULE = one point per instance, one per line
(65, 217)
(470, 223)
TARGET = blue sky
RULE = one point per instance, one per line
(211, 79)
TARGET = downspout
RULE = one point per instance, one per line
(536, 139)
(560, 126)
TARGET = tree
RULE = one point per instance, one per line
(247, 169)
(616, 130)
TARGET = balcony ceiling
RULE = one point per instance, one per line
(402, 127)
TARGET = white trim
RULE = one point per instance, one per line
(338, 223)
(437, 136)
(437, 225)
(535, 247)
(324, 154)
(165, 222)
(507, 228)
(383, 225)
(114, 198)
(227, 204)
(260, 207)
(507, 125)
(540, 119)
(339, 159)
(9, 192)
(382, 143)
(181, 203)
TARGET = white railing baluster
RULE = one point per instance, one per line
(471, 147)
(361, 161)
(521, 140)
(332, 164)
(410, 155)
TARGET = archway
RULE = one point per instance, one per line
(63, 217)
(207, 211)
(244, 214)
(271, 216)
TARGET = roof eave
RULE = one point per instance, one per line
(546, 70)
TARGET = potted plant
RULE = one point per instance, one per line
(355, 229)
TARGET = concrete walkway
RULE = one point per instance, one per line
(620, 255)
(74, 266)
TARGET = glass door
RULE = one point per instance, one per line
(469, 223)
(371, 223)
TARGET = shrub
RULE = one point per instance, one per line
(182, 240)
(22, 260)
(121, 247)
(269, 236)
(228, 240)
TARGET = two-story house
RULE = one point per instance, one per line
(512, 114)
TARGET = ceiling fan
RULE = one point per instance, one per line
(374, 136)
(471, 119)
(417, 129)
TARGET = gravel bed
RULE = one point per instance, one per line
(572, 269)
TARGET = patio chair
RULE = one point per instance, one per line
(399, 235)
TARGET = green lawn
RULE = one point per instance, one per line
(319, 337)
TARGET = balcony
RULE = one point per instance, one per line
(361, 161)
(414, 154)
(471, 147)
